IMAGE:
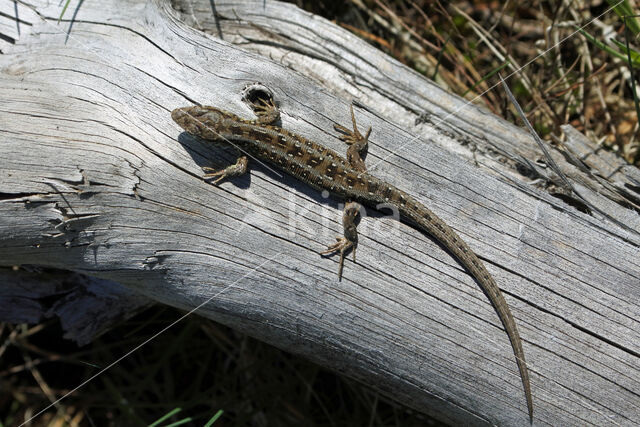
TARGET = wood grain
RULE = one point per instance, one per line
(97, 179)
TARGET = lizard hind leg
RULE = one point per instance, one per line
(237, 169)
(349, 241)
(358, 144)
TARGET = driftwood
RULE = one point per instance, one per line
(97, 179)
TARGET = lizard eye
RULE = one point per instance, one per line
(212, 117)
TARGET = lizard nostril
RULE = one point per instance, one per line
(177, 115)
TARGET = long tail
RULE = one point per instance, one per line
(430, 223)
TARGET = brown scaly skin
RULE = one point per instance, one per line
(346, 178)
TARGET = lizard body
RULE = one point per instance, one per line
(324, 169)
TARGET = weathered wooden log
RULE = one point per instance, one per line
(97, 179)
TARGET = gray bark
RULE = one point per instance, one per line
(97, 179)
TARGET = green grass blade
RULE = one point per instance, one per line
(631, 53)
(604, 47)
(624, 10)
(179, 423)
(64, 9)
(214, 418)
(165, 417)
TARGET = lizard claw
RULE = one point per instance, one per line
(342, 245)
(350, 239)
(358, 144)
(266, 111)
(234, 170)
(221, 173)
(354, 136)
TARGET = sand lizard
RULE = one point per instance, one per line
(346, 178)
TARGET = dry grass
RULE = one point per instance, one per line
(198, 366)
(462, 45)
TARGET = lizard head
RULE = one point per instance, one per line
(204, 122)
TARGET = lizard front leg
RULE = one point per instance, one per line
(348, 242)
(267, 113)
(239, 168)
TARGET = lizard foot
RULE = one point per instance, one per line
(354, 136)
(234, 170)
(350, 239)
(266, 111)
(357, 143)
(342, 245)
